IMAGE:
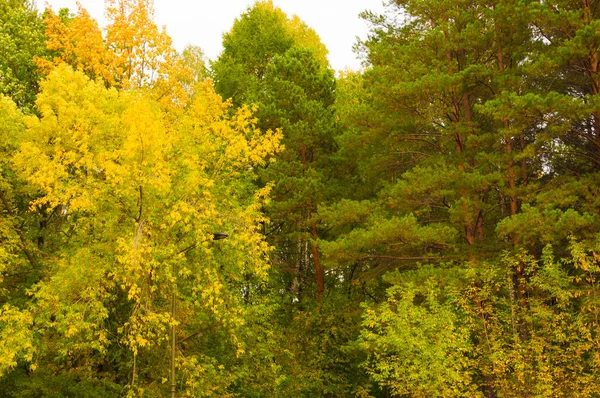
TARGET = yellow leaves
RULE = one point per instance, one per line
(85, 132)
(16, 337)
(264, 145)
(71, 108)
(71, 331)
(135, 53)
(228, 145)
(79, 43)
(143, 192)
(180, 78)
(208, 106)
(212, 295)
(134, 292)
(141, 49)
(145, 329)
(11, 120)
(146, 147)
(240, 350)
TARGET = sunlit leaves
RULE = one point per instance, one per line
(140, 48)
(78, 42)
(260, 34)
(17, 339)
(140, 198)
(417, 340)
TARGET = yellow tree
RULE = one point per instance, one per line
(141, 49)
(16, 253)
(135, 53)
(140, 198)
(79, 43)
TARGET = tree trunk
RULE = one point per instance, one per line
(317, 262)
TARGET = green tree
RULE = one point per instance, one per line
(261, 33)
(288, 77)
(299, 99)
(21, 40)
(473, 155)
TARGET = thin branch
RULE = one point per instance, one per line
(401, 258)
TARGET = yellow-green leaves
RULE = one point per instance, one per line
(21, 39)
(416, 340)
(138, 195)
(16, 338)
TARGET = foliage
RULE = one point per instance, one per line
(138, 201)
(418, 341)
(21, 39)
(77, 41)
(427, 226)
(261, 33)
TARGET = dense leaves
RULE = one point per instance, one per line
(427, 226)
(21, 40)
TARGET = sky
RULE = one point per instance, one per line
(202, 23)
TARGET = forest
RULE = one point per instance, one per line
(260, 225)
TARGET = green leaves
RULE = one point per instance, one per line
(261, 33)
(417, 340)
(397, 239)
(21, 39)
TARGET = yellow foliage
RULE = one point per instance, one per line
(141, 49)
(149, 192)
(79, 44)
(16, 338)
(135, 53)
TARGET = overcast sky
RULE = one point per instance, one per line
(203, 23)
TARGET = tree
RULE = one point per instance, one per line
(280, 64)
(17, 257)
(477, 147)
(134, 54)
(138, 201)
(299, 99)
(22, 39)
(289, 79)
(78, 42)
(141, 49)
(262, 32)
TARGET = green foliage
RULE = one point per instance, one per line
(475, 140)
(427, 226)
(298, 99)
(417, 340)
(260, 34)
(465, 332)
(21, 39)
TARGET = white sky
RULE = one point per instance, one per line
(202, 23)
